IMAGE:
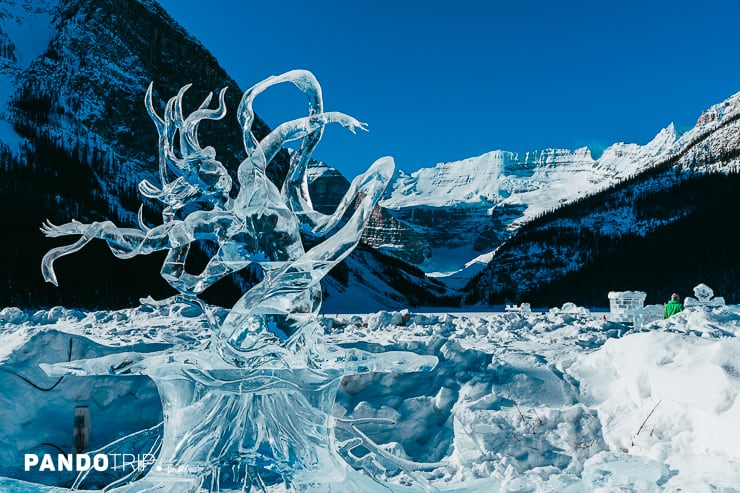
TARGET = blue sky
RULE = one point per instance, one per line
(440, 81)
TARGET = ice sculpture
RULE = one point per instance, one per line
(627, 307)
(254, 404)
(704, 297)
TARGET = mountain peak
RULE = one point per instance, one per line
(718, 112)
(663, 141)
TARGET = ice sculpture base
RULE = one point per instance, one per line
(228, 424)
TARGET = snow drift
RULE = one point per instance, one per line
(555, 401)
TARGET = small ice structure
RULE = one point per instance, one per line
(704, 298)
(626, 307)
(253, 405)
(524, 309)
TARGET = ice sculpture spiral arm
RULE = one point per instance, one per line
(295, 187)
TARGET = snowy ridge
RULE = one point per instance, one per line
(466, 209)
(539, 180)
(563, 175)
(623, 231)
(547, 402)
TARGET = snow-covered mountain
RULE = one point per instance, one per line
(539, 180)
(457, 219)
(75, 140)
(660, 230)
(467, 208)
(449, 219)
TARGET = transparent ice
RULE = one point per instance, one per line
(252, 407)
(704, 297)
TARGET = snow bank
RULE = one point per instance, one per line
(37, 411)
(561, 401)
(554, 401)
(671, 398)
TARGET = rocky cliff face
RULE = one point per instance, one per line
(326, 186)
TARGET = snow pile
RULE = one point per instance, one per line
(556, 401)
(543, 402)
(678, 406)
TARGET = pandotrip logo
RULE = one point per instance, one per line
(86, 462)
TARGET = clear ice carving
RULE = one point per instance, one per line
(627, 307)
(704, 297)
(253, 405)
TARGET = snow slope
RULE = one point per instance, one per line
(460, 212)
(455, 214)
(25, 31)
(543, 402)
